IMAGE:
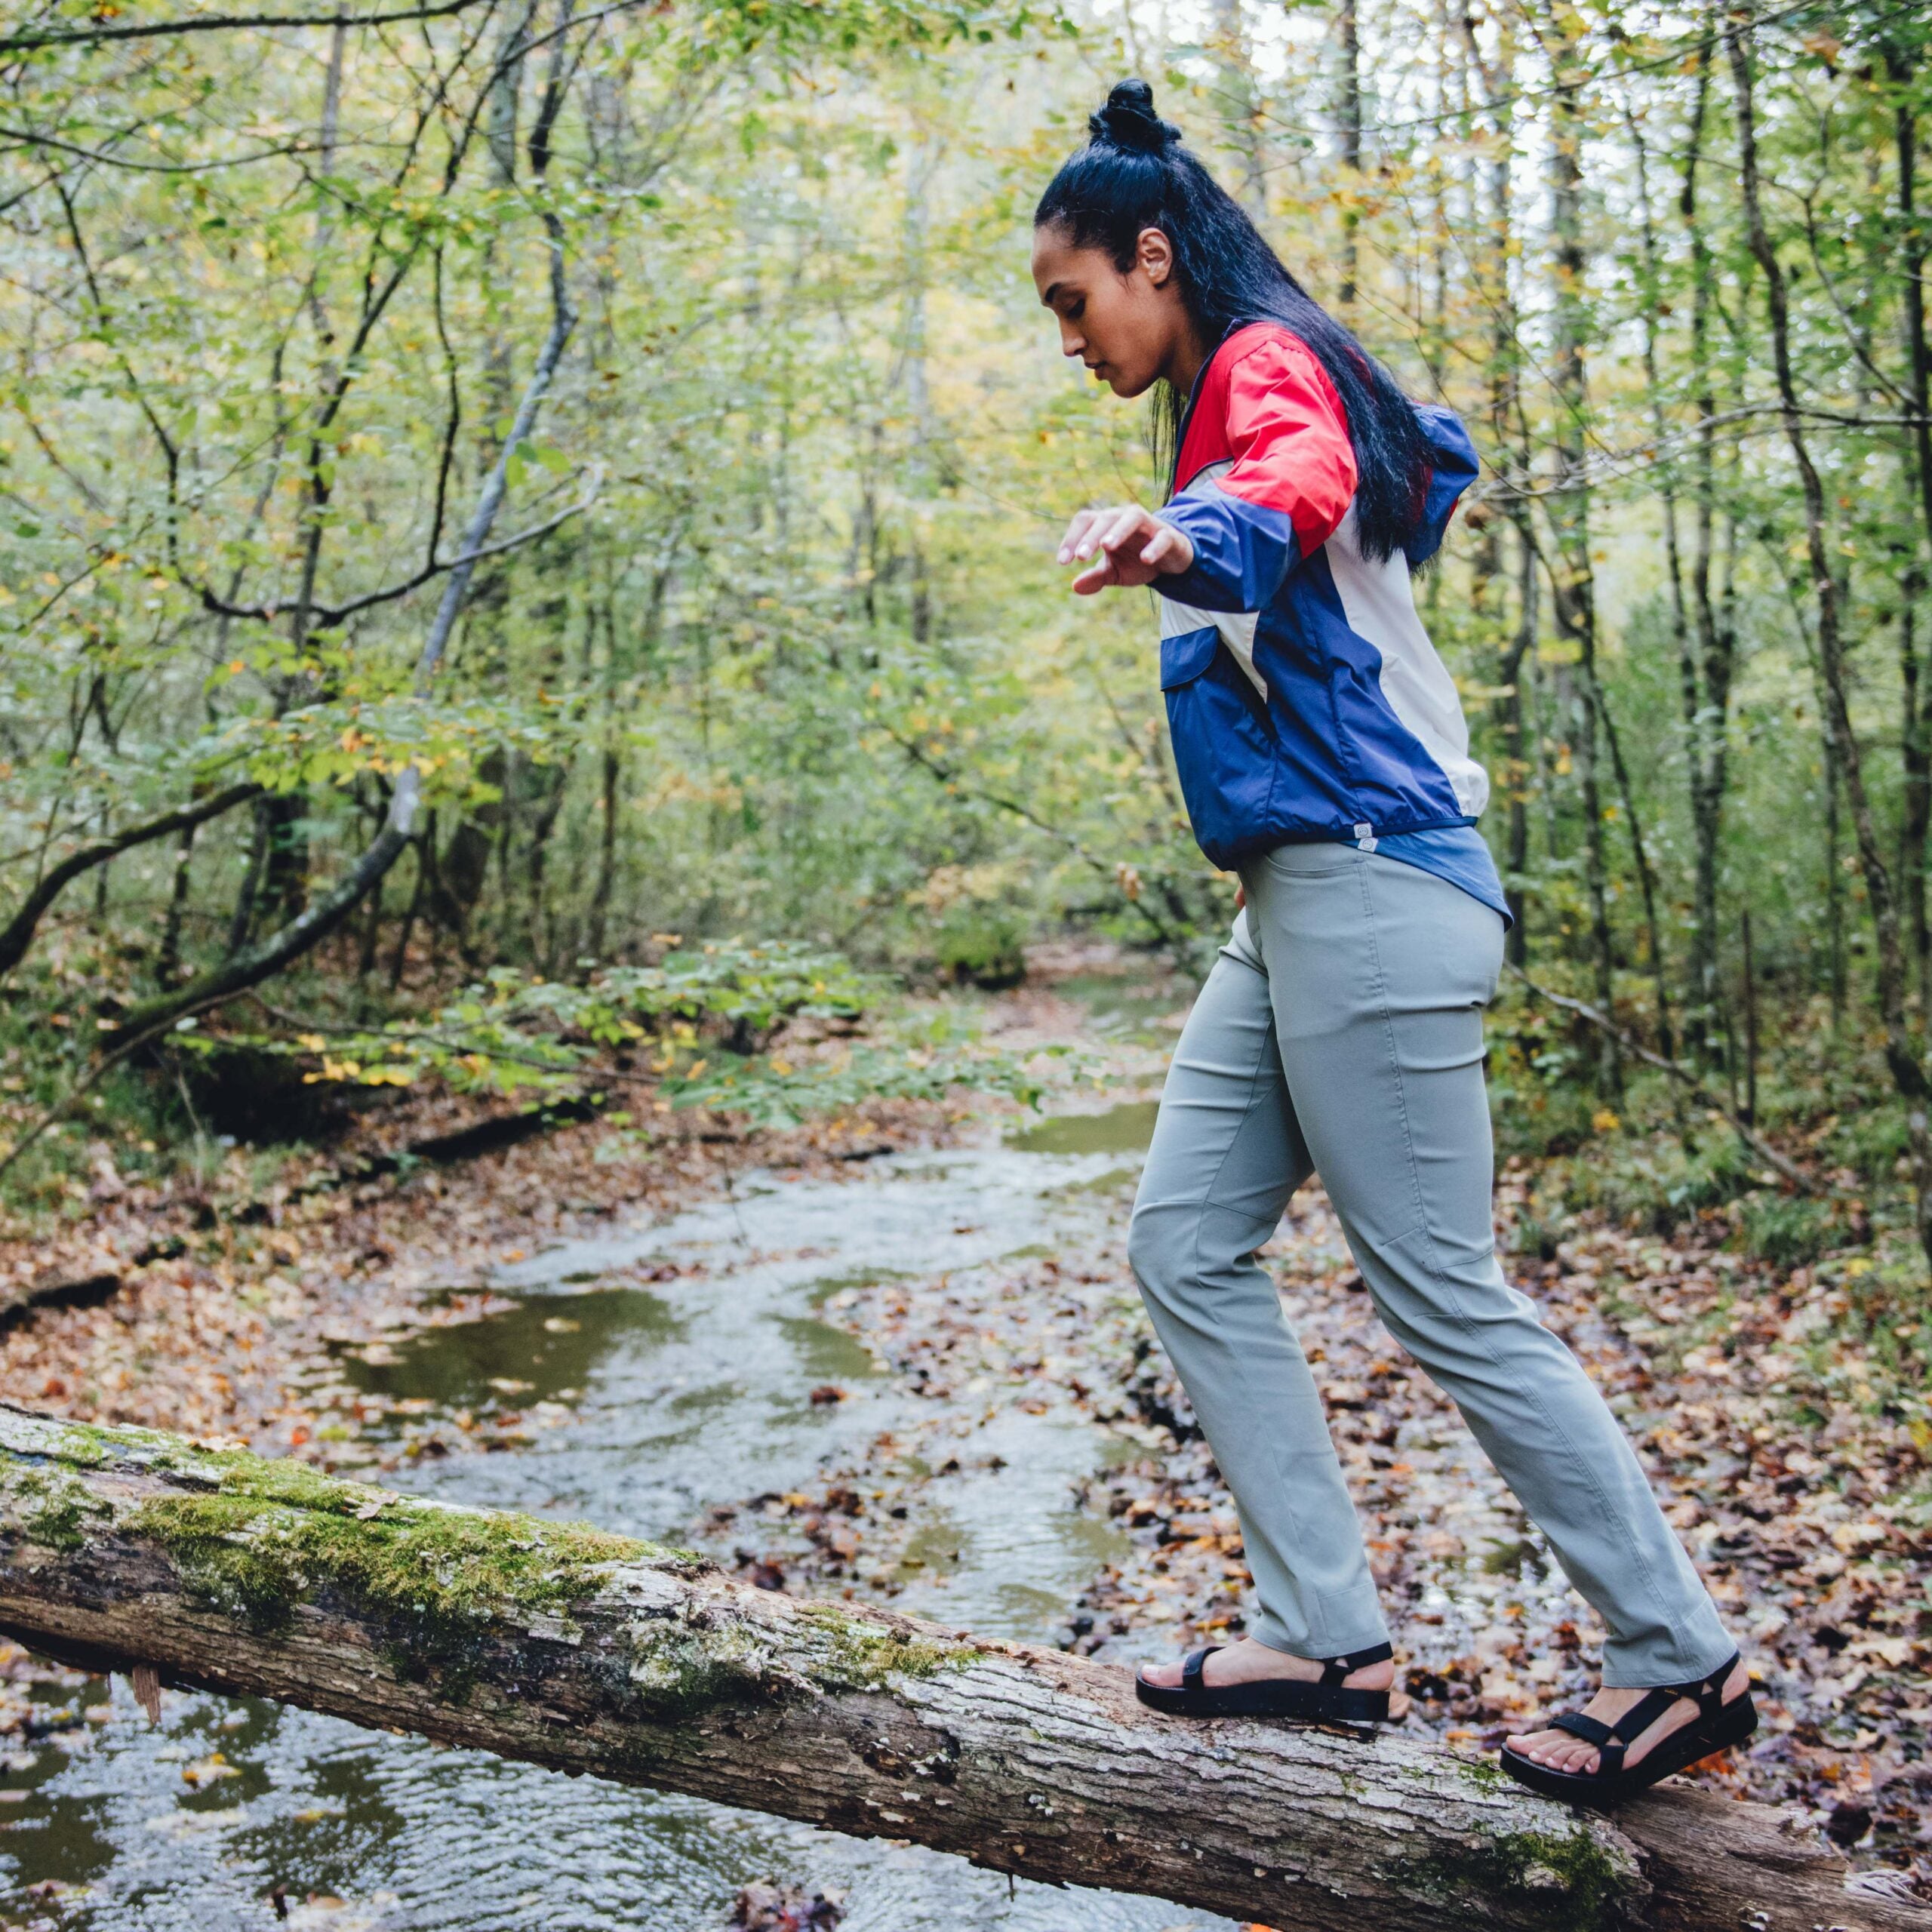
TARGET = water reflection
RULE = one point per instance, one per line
(550, 1349)
(1122, 1130)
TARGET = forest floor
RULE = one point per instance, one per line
(1759, 1403)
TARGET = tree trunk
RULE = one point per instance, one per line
(1348, 117)
(1573, 575)
(562, 1646)
(1497, 82)
(1518, 665)
(1916, 726)
(1902, 1059)
(1708, 673)
(1641, 857)
(167, 961)
(1915, 814)
(1653, 307)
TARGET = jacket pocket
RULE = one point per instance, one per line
(1185, 657)
(1224, 749)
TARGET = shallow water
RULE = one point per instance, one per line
(693, 1389)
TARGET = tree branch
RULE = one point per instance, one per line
(1698, 1091)
(253, 964)
(28, 138)
(25, 42)
(325, 616)
(18, 934)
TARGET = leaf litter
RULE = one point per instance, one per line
(1787, 1435)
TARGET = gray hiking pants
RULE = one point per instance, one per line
(1340, 1033)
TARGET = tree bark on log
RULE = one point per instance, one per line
(563, 1646)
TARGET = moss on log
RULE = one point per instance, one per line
(568, 1647)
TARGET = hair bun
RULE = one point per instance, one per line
(1128, 121)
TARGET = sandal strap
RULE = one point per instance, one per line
(1611, 1740)
(1580, 1723)
(1708, 1691)
(1334, 1670)
(1638, 1718)
(1190, 1670)
(1594, 1731)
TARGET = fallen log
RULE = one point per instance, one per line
(567, 1646)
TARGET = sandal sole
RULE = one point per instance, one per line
(1677, 1753)
(1308, 1703)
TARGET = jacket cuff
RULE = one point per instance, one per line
(1241, 552)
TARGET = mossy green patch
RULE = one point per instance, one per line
(270, 1534)
(85, 1448)
(681, 1668)
(1575, 1881)
(1485, 1774)
(51, 1506)
(865, 1656)
(256, 1537)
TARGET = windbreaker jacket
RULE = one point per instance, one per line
(1304, 698)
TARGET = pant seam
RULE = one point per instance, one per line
(1315, 1635)
(1446, 1288)
(1381, 994)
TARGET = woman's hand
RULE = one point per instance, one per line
(1128, 546)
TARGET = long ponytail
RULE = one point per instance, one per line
(1133, 174)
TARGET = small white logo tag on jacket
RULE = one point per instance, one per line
(1364, 838)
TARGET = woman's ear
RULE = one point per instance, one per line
(1154, 254)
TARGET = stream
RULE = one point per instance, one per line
(658, 1398)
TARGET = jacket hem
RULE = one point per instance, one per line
(1226, 857)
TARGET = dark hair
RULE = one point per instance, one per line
(1134, 174)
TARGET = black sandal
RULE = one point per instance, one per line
(1329, 1701)
(1716, 1726)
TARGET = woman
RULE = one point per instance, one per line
(1324, 759)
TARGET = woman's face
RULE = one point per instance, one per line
(1128, 327)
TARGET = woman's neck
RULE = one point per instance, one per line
(1191, 350)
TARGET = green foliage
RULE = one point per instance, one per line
(768, 637)
(928, 1060)
(1793, 1230)
(1660, 1183)
(983, 947)
(691, 1029)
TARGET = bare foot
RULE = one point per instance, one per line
(1246, 1661)
(1561, 1752)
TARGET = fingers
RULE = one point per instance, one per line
(1098, 575)
(1123, 527)
(1168, 550)
(1106, 538)
(1076, 531)
(1105, 531)
(1091, 530)
(1127, 545)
